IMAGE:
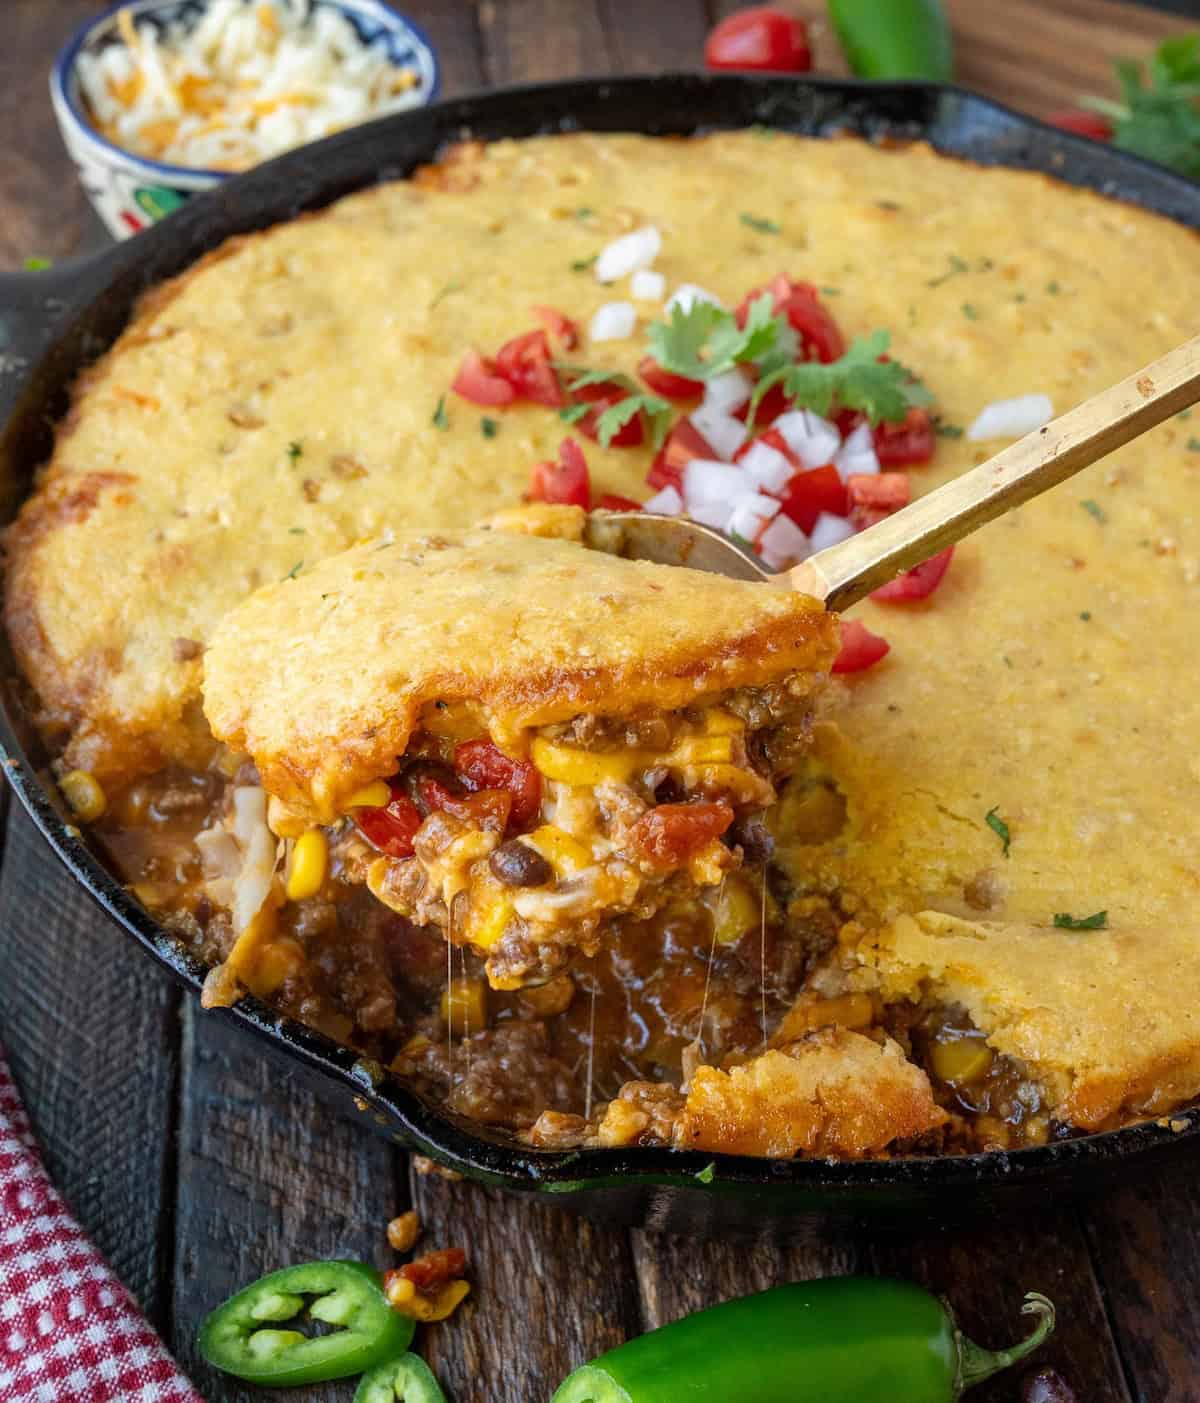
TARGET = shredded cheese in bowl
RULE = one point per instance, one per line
(249, 80)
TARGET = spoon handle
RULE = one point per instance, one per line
(843, 574)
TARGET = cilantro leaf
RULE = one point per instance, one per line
(999, 828)
(616, 416)
(441, 420)
(579, 377)
(1065, 921)
(858, 380)
(572, 413)
(1156, 115)
(757, 222)
(706, 340)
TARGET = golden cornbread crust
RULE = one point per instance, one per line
(321, 679)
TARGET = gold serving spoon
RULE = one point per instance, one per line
(843, 574)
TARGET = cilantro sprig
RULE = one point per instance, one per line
(705, 340)
(881, 389)
(656, 411)
(1063, 920)
(1156, 115)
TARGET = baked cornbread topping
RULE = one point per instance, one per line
(533, 739)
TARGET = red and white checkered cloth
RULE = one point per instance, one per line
(69, 1331)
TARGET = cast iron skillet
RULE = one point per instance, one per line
(53, 324)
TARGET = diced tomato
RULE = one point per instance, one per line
(813, 492)
(566, 482)
(1075, 119)
(561, 328)
(862, 518)
(820, 337)
(668, 835)
(489, 809)
(479, 381)
(629, 435)
(886, 492)
(847, 420)
(483, 765)
(861, 648)
(773, 439)
(391, 828)
(919, 582)
(432, 1270)
(909, 442)
(613, 502)
(433, 792)
(760, 38)
(525, 364)
(662, 475)
(774, 403)
(684, 443)
(664, 383)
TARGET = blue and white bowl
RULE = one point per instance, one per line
(131, 191)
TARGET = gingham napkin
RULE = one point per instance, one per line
(69, 1331)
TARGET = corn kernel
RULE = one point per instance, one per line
(488, 921)
(569, 765)
(400, 1292)
(810, 1012)
(565, 854)
(372, 796)
(737, 912)
(402, 1232)
(438, 1307)
(83, 794)
(701, 750)
(270, 965)
(961, 1060)
(456, 721)
(718, 722)
(464, 1006)
(310, 862)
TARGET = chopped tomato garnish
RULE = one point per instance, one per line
(392, 827)
(489, 809)
(683, 443)
(847, 420)
(820, 337)
(774, 403)
(886, 492)
(861, 648)
(919, 582)
(561, 328)
(479, 381)
(664, 383)
(662, 474)
(1074, 119)
(566, 482)
(668, 835)
(773, 439)
(613, 502)
(485, 766)
(911, 441)
(760, 38)
(813, 492)
(525, 364)
(629, 435)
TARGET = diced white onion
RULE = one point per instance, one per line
(1010, 418)
(258, 853)
(668, 502)
(828, 530)
(648, 286)
(628, 254)
(750, 513)
(711, 514)
(812, 439)
(727, 392)
(707, 481)
(766, 467)
(615, 321)
(783, 543)
(722, 432)
(857, 453)
(686, 295)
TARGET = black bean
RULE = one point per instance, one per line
(750, 834)
(516, 864)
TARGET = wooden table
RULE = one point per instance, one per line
(196, 1166)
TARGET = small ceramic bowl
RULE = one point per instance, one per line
(131, 191)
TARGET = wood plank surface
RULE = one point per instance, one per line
(262, 1173)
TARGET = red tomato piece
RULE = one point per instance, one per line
(662, 475)
(773, 439)
(488, 809)
(525, 364)
(484, 766)
(479, 381)
(392, 827)
(613, 502)
(820, 337)
(906, 443)
(774, 403)
(861, 648)
(886, 492)
(668, 835)
(432, 1270)
(664, 383)
(760, 38)
(684, 443)
(560, 327)
(629, 435)
(1075, 119)
(813, 492)
(566, 482)
(919, 582)
(847, 420)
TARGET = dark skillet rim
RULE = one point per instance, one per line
(453, 1141)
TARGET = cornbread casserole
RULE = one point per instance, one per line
(564, 735)
(976, 930)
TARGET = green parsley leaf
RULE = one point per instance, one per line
(998, 826)
(573, 413)
(294, 571)
(859, 380)
(584, 212)
(1094, 509)
(705, 1175)
(1065, 921)
(1193, 445)
(581, 265)
(294, 450)
(970, 312)
(297, 531)
(580, 377)
(763, 226)
(1184, 414)
(944, 430)
(1053, 288)
(489, 427)
(657, 411)
(36, 264)
(450, 287)
(957, 265)
(1086, 616)
(832, 291)
(441, 420)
